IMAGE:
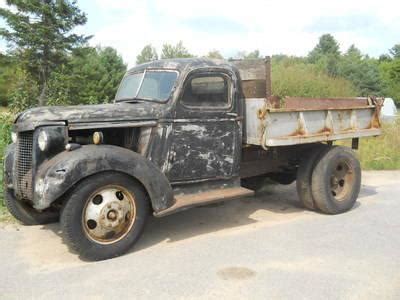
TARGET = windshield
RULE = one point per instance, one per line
(147, 85)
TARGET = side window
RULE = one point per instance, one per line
(207, 90)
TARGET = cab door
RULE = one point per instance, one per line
(206, 130)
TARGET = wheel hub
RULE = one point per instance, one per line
(109, 214)
(341, 180)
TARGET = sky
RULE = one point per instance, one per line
(273, 27)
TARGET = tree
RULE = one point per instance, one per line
(251, 55)
(177, 51)
(390, 74)
(326, 54)
(327, 45)
(361, 70)
(354, 52)
(8, 68)
(147, 54)
(24, 92)
(91, 76)
(214, 54)
(395, 51)
(41, 31)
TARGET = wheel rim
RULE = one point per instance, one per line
(109, 214)
(342, 180)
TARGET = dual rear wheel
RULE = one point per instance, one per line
(329, 179)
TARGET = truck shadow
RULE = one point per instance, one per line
(272, 205)
(367, 190)
(275, 204)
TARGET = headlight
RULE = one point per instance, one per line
(43, 140)
(14, 137)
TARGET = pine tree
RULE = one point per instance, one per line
(326, 54)
(41, 32)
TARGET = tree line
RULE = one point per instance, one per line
(325, 67)
(47, 63)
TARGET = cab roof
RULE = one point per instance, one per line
(183, 65)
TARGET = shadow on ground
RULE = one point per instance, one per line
(272, 205)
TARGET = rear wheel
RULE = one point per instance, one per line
(26, 214)
(304, 176)
(336, 180)
(104, 216)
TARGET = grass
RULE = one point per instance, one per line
(5, 138)
(293, 78)
(383, 152)
(3, 110)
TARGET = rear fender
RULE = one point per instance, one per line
(56, 176)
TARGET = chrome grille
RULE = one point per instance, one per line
(23, 166)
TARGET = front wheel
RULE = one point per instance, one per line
(26, 214)
(104, 216)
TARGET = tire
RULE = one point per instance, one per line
(104, 216)
(304, 176)
(336, 180)
(26, 214)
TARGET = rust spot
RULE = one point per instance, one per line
(274, 102)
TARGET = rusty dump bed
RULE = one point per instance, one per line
(272, 121)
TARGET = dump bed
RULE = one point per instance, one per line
(273, 121)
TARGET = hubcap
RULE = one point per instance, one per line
(342, 180)
(109, 214)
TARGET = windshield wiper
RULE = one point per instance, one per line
(129, 100)
(138, 99)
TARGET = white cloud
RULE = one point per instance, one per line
(280, 26)
(270, 26)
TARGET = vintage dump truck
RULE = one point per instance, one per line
(181, 133)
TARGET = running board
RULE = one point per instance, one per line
(185, 201)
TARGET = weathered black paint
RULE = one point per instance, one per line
(186, 145)
(60, 173)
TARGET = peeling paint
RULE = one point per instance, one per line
(169, 144)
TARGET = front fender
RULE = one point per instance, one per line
(59, 174)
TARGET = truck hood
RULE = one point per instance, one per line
(86, 115)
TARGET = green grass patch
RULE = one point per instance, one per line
(383, 152)
(3, 110)
(291, 77)
(5, 138)
(5, 216)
